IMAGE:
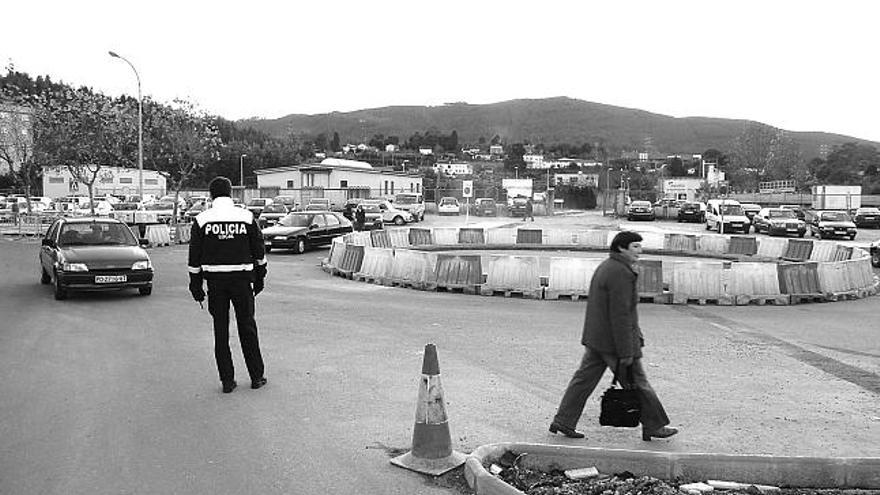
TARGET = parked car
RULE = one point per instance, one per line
(126, 211)
(390, 213)
(691, 212)
(867, 217)
(373, 217)
(875, 253)
(782, 221)
(726, 215)
(324, 202)
(640, 210)
(799, 211)
(303, 230)
(518, 207)
(485, 207)
(831, 224)
(448, 205)
(195, 209)
(412, 202)
(750, 209)
(668, 202)
(164, 211)
(256, 205)
(272, 213)
(289, 201)
(94, 254)
(102, 209)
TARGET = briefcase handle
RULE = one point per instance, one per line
(628, 371)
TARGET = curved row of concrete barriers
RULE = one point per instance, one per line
(782, 471)
(717, 269)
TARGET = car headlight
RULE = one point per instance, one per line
(74, 267)
(142, 265)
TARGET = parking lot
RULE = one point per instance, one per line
(118, 392)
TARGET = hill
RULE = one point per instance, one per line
(548, 121)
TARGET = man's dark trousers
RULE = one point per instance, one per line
(586, 378)
(237, 291)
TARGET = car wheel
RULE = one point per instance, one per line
(708, 227)
(422, 217)
(60, 291)
(145, 291)
(44, 277)
(268, 249)
(875, 258)
(398, 220)
(718, 227)
(852, 237)
(299, 246)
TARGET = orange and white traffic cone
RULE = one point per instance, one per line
(431, 446)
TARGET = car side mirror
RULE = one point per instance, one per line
(313, 226)
(48, 242)
(143, 241)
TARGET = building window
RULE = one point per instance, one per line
(385, 191)
(151, 182)
(106, 180)
(343, 183)
(125, 180)
(392, 187)
(418, 186)
(56, 180)
(290, 184)
(410, 187)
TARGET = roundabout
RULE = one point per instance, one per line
(557, 263)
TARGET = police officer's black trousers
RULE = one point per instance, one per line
(239, 293)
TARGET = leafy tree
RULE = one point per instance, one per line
(334, 143)
(676, 167)
(17, 146)
(514, 158)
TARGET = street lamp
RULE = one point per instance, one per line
(241, 169)
(140, 126)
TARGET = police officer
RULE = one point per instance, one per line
(226, 249)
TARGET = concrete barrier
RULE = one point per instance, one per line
(445, 236)
(158, 235)
(501, 236)
(860, 274)
(798, 250)
(351, 260)
(743, 245)
(529, 236)
(711, 243)
(337, 250)
(399, 237)
(653, 240)
(823, 251)
(770, 247)
(562, 237)
(414, 269)
(800, 280)
(471, 235)
(376, 265)
(380, 239)
(842, 253)
(700, 282)
(680, 242)
(756, 283)
(834, 278)
(650, 281)
(512, 275)
(594, 238)
(570, 277)
(464, 272)
(362, 238)
(419, 236)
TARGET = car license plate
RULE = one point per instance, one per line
(268, 243)
(110, 279)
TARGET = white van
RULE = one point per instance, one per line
(725, 216)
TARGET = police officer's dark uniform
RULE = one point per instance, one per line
(226, 249)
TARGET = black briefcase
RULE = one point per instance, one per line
(620, 407)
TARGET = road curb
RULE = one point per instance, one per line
(782, 471)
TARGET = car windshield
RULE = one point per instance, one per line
(371, 208)
(126, 206)
(782, 214)
(867, 211)
(297, 220)
(258, 202)
(275, 209)
(96, 234)
(160, 206)
(405, 199)
(731, 210)
(835, 216)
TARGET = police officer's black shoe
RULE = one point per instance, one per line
(258, 383)
(229, 386)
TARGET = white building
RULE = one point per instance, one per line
(59, 182)
(577, 179)
(452, 169)
(336, 179)
(534, 161)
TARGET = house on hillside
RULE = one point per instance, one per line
(334, 178)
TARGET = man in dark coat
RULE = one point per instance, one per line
(613, 339)
(360, 218)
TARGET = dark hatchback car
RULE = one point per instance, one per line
(271, 214)
(94, 254)
(691, 212)
(485, 207)
(867, 217)
(301, 230)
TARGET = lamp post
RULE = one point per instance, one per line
(241, 169)
(140, 125)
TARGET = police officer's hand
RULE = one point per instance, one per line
(195, 287)
(259, 284)
(625, 362)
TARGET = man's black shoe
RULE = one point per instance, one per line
(569, 432)
(664, 432)
(229, 386)
(258, 383)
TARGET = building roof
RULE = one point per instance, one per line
(342, 162)
(327, 168)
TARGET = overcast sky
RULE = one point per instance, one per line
(798, 65)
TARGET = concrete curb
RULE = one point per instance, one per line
(782, 471)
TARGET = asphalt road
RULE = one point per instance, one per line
(118, 393)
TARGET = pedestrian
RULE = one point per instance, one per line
(360, 218)
(613, 339)
(529, 209)
(226, 250)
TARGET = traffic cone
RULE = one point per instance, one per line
(431, 445)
